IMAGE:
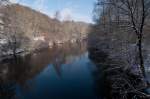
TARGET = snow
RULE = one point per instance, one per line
(3, 41)
(39, 38)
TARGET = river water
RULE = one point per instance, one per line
(63, 72)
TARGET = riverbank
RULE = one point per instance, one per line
(22, 53)
(119, 81)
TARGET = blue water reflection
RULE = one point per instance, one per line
(59, 73)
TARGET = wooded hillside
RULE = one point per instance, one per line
(36, 27)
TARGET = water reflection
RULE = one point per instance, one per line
(62, 72)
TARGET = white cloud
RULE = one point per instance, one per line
(66, 14)
(14, 1)
(72, 14)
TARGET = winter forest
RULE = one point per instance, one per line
(74, 49)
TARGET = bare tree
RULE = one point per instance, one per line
(134, 12)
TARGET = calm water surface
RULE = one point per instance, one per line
(59, 73)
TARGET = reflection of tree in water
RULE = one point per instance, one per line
(113, 81)
(7, 91)
(64, 54)
(18, 72)
(11, 74)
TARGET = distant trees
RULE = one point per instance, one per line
(126, 14)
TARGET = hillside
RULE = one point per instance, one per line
(38, 28)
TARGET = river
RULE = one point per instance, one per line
(63, 72)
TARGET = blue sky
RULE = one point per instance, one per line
(78, 10)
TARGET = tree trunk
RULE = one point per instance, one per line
(141, 54)
(14, 54)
